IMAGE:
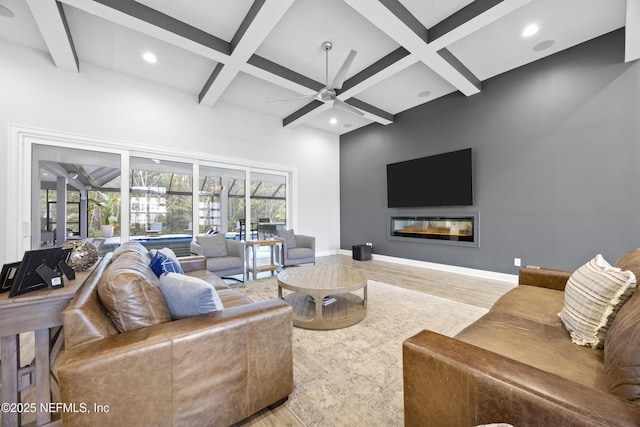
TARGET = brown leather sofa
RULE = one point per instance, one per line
(213, 369)
(518, 365)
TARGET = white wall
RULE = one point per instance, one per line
(101, 104)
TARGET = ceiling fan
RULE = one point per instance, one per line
(328, 92)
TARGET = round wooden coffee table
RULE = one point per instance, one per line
(322, 296)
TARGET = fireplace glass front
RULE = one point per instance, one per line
(435, 228)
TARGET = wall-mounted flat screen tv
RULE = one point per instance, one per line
(441, 180)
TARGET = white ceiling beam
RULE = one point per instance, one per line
(148, 21)
(632, 31)
(52, 23)
(405, 34)
(371, 112)
(469, 20)
(256, 26)
(375, 74)
(271, 72)
(306, 113)
(239, 55)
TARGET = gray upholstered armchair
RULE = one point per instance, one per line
(225, 257)
(297, 248)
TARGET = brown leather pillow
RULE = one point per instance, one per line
(621, 355)
(630, 261)
(131, 247)
(131, 298)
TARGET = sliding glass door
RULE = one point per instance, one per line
(74, 193)
(268, 204)
(102, 190)
(221, 201)
(160, 195)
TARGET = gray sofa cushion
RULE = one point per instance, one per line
(223, 263)
(297, 253)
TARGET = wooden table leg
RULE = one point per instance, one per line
(9, 391)
(43, 379)
(319, 298)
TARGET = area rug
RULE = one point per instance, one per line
(353, 376)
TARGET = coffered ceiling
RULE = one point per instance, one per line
(251, 53)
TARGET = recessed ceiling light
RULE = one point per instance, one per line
(424, 94)
(5, 11)
(333, 120)
(530, 30)
(150, 57)
(347, 125)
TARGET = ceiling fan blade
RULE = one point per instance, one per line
(346, 107)
(290, 99)
(342, 72)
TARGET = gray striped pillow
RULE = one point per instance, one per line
(593, 295)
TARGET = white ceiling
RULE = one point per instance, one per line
(249, 53)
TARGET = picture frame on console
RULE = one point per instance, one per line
(39, 269)
(8, 275)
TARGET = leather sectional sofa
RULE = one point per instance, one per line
(212, 369)
(518, 365)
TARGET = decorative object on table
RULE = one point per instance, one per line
(83, 255)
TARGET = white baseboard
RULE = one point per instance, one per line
(485, 274)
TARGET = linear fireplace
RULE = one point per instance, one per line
(460, 230)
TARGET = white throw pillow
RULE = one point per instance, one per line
(593, 296)
(188, 296)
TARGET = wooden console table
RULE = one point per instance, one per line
(274, 244)
(41, 312)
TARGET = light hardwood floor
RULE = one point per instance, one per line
(466, 289)
(458, 287)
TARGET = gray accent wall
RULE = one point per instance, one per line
(556, 146)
